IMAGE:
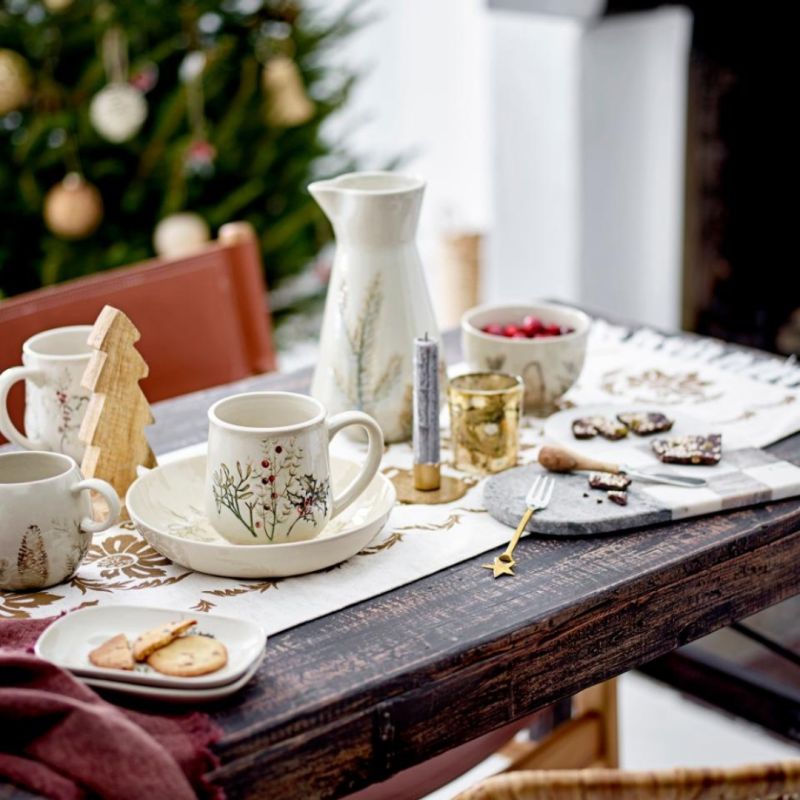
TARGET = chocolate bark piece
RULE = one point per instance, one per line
(620, 498)
(611, 429)
(589, 427)
(609, 480)
(643, 423)
(585, 428)
(692, 449)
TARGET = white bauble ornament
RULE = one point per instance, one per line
(15, 81)
(118, 112)
(180, 234)
(73, 208)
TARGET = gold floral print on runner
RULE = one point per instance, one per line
(18, 605)
(657, 386)
(128, 555)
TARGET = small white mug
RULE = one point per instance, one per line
(268, 474)
(55, 402)
(46, 525)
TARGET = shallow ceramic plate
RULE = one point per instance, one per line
(181, 695)
(633, 450)
(68, 641)
(166, 505)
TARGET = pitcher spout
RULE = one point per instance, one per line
(327, 195)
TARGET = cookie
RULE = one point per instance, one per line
(188, 656)
(620, 498)
(113, 654)
(644, 423)
(609, 480)
(693, 449)
(152, 640)
(589, 427)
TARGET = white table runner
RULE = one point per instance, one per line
(752, 403)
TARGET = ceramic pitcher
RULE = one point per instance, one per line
(378, 300)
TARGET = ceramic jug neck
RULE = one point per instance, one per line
(371, 208)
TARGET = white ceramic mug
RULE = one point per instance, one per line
(268, 474)
(55, 402)
(46, 524)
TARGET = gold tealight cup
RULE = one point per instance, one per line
(485, 409)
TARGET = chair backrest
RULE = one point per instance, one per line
(761, 781)
(203, 317)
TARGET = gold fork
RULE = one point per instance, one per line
(537, 499)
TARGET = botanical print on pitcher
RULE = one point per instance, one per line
(271, 496)
(370, 381)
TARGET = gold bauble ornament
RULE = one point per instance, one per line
(15, 81)
(288, 103)
(180, 234)
(55, 6)
(73, 208)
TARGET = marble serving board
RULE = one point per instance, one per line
(744, 477)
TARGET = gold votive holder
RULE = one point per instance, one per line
(485, 409)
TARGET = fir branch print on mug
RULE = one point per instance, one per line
(273, 495)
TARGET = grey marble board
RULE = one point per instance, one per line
(743, 478)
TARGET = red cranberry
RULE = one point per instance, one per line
(278, 449)
(510, 330)
(494, 329)
(531, 325)
(552, 330)
(274, 496)
(265, 464)
(263, 480)
(271, 479)
(258, 524)
(520, 335)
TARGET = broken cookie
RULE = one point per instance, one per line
(113, 654)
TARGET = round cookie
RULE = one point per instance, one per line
(189, 656)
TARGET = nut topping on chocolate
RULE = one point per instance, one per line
(609, 480)
(643, 423)
(620, 498)
(693, 449)
(589, 427)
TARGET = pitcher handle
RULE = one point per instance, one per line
(372, 462)
(7, 427)
(109, 495)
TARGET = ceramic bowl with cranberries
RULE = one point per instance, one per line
(545, 343)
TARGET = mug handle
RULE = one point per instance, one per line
(373, 460)
(109, 495)
(7, 427)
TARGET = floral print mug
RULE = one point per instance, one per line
(55, 402)
(268, 474)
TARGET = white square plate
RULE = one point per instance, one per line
(69, 640)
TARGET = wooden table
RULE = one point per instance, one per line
(351, 698)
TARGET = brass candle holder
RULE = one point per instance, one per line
(485, 411)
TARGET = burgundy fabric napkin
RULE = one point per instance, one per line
(61, 740)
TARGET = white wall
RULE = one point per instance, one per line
(563, 140)
(633, 116)
(533, 105)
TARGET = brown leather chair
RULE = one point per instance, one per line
(203, 317)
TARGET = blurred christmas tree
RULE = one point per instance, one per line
(115, 116)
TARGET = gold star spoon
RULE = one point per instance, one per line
(537, 499)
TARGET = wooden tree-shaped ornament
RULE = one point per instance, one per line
(118, 412)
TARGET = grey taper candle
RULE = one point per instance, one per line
(426, 413)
